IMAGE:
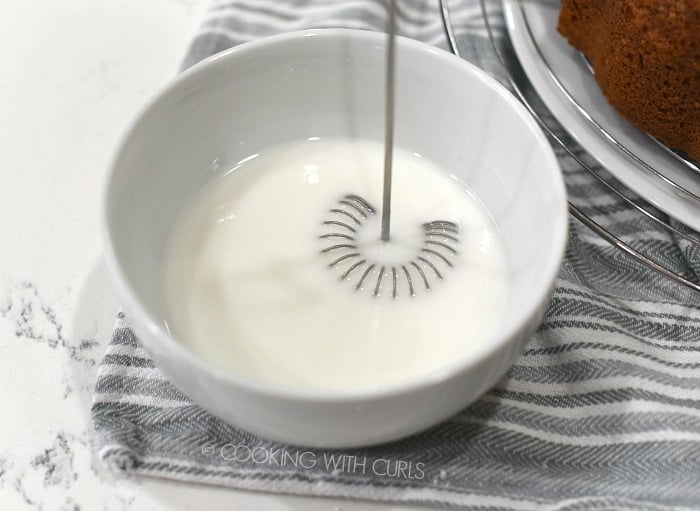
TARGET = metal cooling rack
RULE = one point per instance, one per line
(520, 86)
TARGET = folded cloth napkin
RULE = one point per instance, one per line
(601, 411)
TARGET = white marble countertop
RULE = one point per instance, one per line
(74, 72)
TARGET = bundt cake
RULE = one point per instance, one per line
(646, 58)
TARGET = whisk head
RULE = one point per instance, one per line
(357, 262)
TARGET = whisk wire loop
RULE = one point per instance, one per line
(431, 259)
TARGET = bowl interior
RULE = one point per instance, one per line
(330, 84)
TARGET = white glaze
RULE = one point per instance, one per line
(248, 288)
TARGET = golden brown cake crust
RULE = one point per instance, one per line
(646, 57)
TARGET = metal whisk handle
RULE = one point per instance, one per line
(389, 122)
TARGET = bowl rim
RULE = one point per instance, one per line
(133, 304)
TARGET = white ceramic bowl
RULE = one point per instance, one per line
(329, 83)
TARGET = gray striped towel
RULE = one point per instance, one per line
(601, 411)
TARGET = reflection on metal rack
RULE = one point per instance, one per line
(692, 164)
(514, 72)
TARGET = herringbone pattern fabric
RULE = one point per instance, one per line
(601, 411)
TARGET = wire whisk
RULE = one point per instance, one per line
(355, 260)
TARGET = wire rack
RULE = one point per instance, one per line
(521, 87)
